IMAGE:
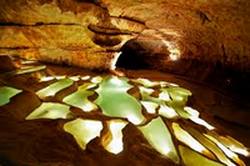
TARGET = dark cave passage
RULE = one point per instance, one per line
(132, 56)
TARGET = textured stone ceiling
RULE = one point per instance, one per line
(89, 34)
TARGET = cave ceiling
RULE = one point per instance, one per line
(167, 34)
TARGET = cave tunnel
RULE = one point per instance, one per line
(179, 94)
(131, 56)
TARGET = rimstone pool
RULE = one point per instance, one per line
(66, 115)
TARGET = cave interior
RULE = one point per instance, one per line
(124, 82)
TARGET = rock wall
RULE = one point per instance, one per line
(167, 34)
(69, 32)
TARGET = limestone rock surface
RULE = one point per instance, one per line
(168, 34)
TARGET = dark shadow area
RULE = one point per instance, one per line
(5, 161)
(131, 56)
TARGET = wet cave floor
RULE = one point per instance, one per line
(43, 141)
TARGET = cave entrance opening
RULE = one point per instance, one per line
(131, 56)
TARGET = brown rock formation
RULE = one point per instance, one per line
(71, 32)
(171, 35)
